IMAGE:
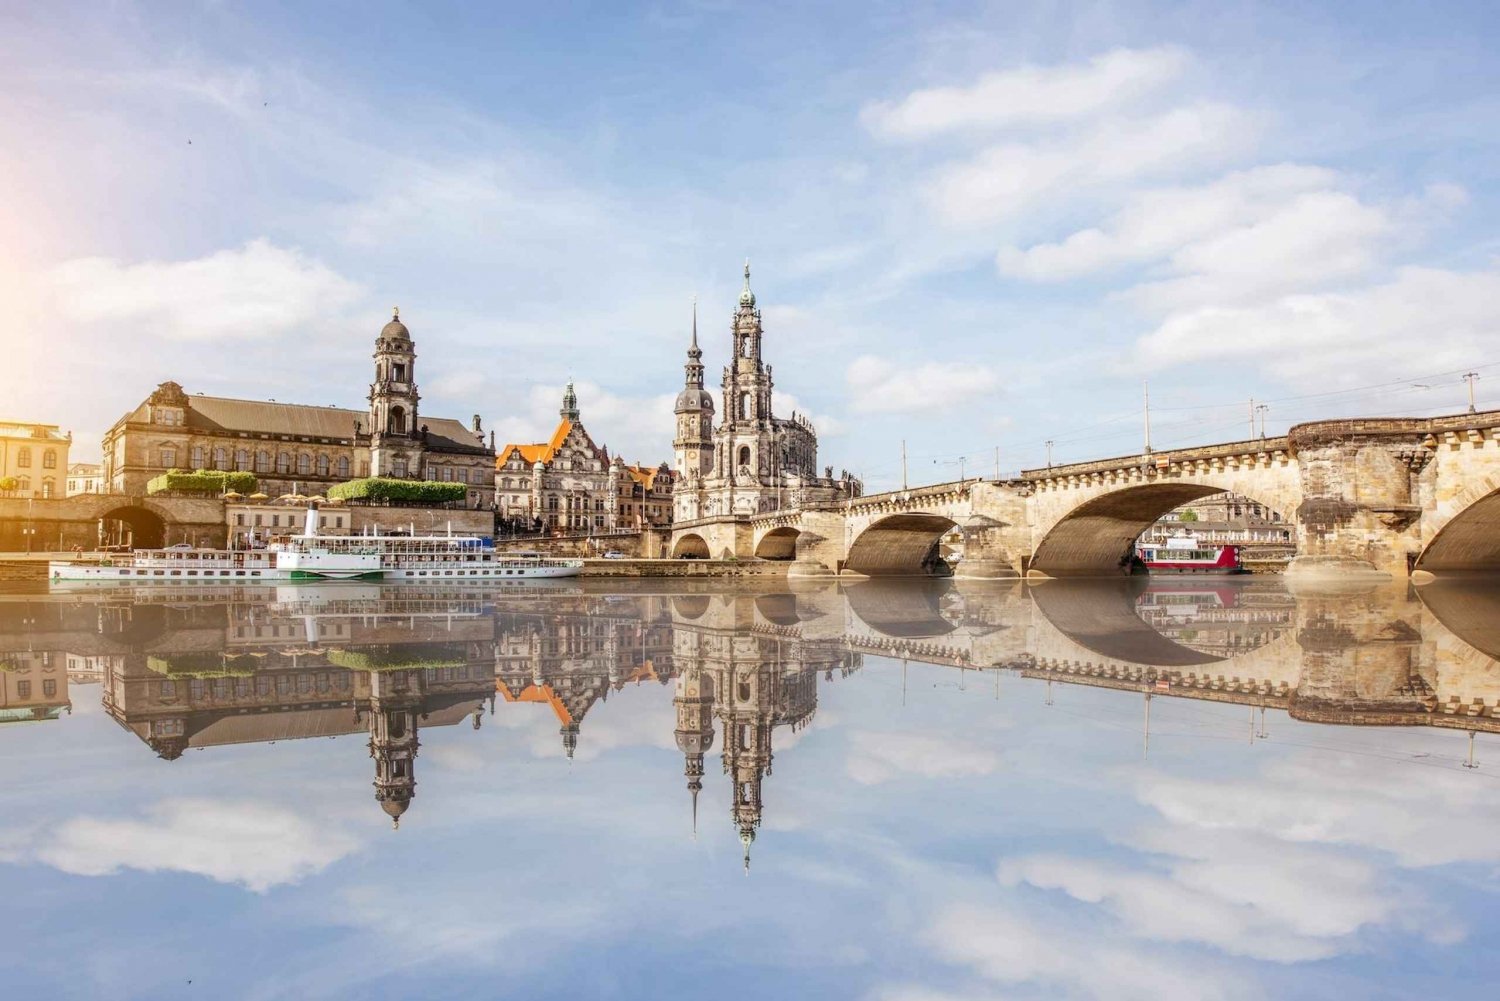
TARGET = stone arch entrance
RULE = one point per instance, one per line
(691, 547)
(778, 544)
(900, 545)
(134, 526)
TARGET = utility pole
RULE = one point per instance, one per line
(1470, 378)
(1148, 416)
(1252, 417)
(903, 463)
(1471, 762)
(997, 463)
(1261, 409)
(1050, 443)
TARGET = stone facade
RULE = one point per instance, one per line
(85, 478)
(35, 456)
(570, 484)
(753, 461)
(294, 448)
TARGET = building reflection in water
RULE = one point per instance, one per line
(210, 668)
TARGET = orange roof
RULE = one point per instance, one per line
(534, 693)
(541, 451)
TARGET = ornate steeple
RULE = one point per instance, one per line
(693, 370)
(747, 297)
(569, 411)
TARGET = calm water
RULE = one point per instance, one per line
(895, 792)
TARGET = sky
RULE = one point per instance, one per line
(975, 228)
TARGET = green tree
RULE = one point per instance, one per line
(1188, 515)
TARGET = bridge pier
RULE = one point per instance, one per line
(986, 554)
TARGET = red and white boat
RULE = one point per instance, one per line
(1184, 554)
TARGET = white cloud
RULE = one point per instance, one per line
(256, 845)
(1341, 338)
(638, 429)
(1155, 224)
(1242, 895)
(1009, 179)
(877, 385)
(879, 757)
(1012, 948)
(1028, 95)
(255, 292)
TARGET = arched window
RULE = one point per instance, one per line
(462, 475)
(48, 486)
(744, 455)
(221, 458)
(283, 462)
(24, 484)
(169, 456)
(242, 459)
(745, 406)
(304, 464)
(398, 421)
(198, 457)
(23, 457)
(49, 459)
(343, 466)
(322, 465)
(262, 462)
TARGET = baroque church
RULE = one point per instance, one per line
(297, 448)
(754, 461)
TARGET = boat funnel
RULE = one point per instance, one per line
(310, 526)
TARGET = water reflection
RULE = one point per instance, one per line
(1283, 865)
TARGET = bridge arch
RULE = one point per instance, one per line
(1470, 539)
(691, 546)
(778, 544)
(1098, 536)
(900, 545)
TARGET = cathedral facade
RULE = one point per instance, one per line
(753, 461)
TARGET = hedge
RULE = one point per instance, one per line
(399, 657)
(204, 664)
(203, 481)
(379, 488)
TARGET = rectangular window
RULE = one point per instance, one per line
(23, 689)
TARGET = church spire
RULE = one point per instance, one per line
(747, 297)
(569, 411)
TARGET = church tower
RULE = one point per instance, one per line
(395, 435)
(395, 703)
(694, 702)
(695, 418)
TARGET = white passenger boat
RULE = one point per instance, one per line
(311, 556)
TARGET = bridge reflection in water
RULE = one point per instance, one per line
(204, 668)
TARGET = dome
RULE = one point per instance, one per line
(747, 297)
(694, 399)
(395, 330)
(693, 742)
(395, 807)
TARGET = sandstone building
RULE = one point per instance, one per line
(570, 484)
(753, 461)
(294, 448)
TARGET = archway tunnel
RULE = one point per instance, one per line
(900, 545)
(133, 526)
(778, 544)
(1098, 537)
(690, 547)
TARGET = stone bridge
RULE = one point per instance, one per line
(1384, 496)
(62, 523)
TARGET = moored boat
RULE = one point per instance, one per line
(1183, 554)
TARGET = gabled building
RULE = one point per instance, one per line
(568, 483)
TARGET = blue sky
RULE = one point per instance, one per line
(971, 226)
